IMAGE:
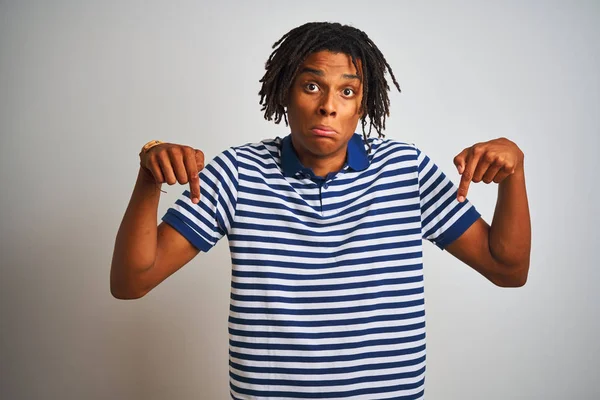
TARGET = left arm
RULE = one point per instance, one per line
(500, 252)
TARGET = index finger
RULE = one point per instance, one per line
(192, 173)
(466, 176)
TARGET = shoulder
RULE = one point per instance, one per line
(261, 157)
(383, 149)
(264, 148)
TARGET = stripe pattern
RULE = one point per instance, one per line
(327, 296)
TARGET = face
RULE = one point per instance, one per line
(324, 109)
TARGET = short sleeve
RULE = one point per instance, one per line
(443, 217)
(203, 224)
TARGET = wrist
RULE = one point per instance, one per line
(520, 168)
(516, 179)
(146, 175)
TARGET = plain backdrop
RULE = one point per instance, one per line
(84, 84)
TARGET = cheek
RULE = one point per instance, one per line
(353, 108)
(354, 111)
(358, 105)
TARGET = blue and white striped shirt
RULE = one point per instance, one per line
(327, 297)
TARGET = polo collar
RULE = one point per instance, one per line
(357, 157)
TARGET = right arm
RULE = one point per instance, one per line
(146, 254)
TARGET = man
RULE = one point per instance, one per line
(325, 228)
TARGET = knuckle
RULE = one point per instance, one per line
(188, 151)
(174, 151)
(151, 159)
(161, 158)
(158, 149)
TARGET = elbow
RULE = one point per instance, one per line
(125, 289)
(514, 278)
(512, 283)
(125, 295)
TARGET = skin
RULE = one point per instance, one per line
(501, 252)
(146, 254)
(327, 91)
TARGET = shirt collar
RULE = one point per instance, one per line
(357, 158)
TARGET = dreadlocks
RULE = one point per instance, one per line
(292, 49)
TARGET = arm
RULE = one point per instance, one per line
(144, 254)
(500, 252)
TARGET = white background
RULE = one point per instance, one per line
(83, 85)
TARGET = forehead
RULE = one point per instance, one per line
(328, 61)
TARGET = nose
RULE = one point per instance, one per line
(327, 107)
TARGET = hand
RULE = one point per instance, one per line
(491, 161)
(172, 163)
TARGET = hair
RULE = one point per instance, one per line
(295, 46)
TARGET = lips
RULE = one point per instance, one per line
(323, 130)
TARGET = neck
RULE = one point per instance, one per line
(321, 167)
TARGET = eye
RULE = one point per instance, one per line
(311, 87)
(348, 92)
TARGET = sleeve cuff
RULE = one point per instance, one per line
(458, 228)
(177, 221)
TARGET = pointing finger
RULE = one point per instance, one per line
(192, 173)
(467, 175)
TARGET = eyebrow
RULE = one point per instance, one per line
(318, 72)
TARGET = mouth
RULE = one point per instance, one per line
(323, 130)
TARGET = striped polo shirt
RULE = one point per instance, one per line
(327, 297)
